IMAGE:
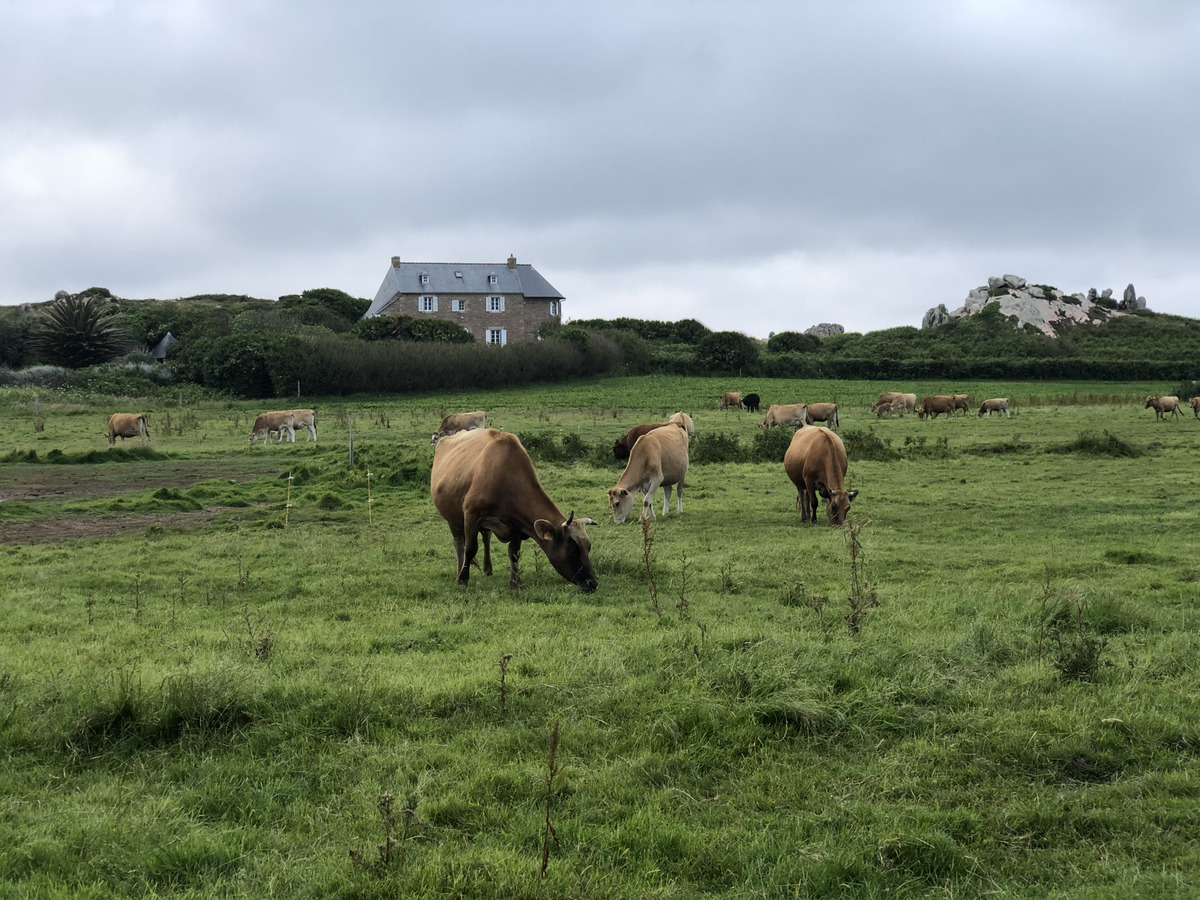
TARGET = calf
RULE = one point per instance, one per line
(816, 463)
(1162, 406)
(127, 425)
(659, 458)
(998, 404)
(483, 482)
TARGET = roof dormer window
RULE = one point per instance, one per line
(491, 279)
(424, 278)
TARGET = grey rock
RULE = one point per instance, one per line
(1092, 295)
(995, 281)
(825, 329)
(938, 315)
(1035, 291)
(1106, 294)
(1141, 302)
(1014, 281)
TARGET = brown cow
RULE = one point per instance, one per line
(882, 408)
(730, 398)
(961, 401)
(622, 445)
(816, 463)
(659, 458)
(306, 419)
(127, 425)
(885, 399)
(997, 404)
(1194, 403)
(280, 421)
(794, 414)
(483, 482)
(933, 405)
(456, 422)
(822, 412)
(1162, 406)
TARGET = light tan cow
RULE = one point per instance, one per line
(306, 419)
(684, 421)
(816, 463)
(730, 398)
(622, 445)
(127, 425)
(456, 422)
(932, 406)
(822, 412)
(1162, 406)
(996, 404)
(658, 458)
(1194, 403)
(794, 414)
(909, 402)
(483, 482)
(280, 421)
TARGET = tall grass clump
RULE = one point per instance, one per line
(1089, 443)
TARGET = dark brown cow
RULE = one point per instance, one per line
(816, 463)
(931, 406)
(126, 425)
(1162, 406)
(622, 445)
(483, 482)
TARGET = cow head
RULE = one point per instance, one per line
(620, 449)
(621, 501)
(837, 504)
(568, 548)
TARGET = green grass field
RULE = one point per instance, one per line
(224, 673)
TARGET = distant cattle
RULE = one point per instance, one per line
(483, 482)
(126, 425)
(932, 406)
(280, 421)
(816, 463)
(730, 398)
(1162, 406)
(750, 402)
(886, 399)
(822, 412)
(659, 458)
(622, 445)
(306, 419)
(998, 405)
(794, 414)
(882, 409)
(1194, 403)
(961, 401)
(456, 422)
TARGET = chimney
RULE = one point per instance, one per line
(512, 261)
(395, 262)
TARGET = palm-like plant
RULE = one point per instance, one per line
(77, 331)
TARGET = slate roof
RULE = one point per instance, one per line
(448, 279)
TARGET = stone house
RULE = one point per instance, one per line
(497, 303)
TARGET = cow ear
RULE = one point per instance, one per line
(545, 530)
(853, 494)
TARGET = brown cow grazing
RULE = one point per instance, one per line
(794, 414)
(932, 406)
(659, 458)
(1194, 403)
(483, 482)
(998, 404)
(281, 421)
(730, 398)
(816, 463)
(961, 401)
(1162, 406)
(127, 425)
(823, 412)
(456, 422)
(882, 409)
(885, 399)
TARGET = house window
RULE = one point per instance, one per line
(491, 279)
(554, 307)
(458, 305)
(495, 304)
(424, 278)
(427, 303)
(497, 337)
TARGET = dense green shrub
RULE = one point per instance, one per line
(793, 342)
(726, 351)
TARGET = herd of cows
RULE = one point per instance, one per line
(483, 481)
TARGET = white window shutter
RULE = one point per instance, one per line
(434, 305)
(503, 332)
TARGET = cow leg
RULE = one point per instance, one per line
(808, 504)
(679, 496)
(470, 547)
(666, 499)
(487, 552)
(514, 557)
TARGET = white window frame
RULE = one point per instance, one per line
(496, 337)
(495, 303)
(492, 279)
(427, 303)
(424, 278)
(554, 307)
(458, 305)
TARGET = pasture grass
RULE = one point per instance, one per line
(222, 710)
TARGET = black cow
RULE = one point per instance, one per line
(750, 402)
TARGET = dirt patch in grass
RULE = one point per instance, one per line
(51, 531)
(51, 482)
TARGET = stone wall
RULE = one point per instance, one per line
(521, 318)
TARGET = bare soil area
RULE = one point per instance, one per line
(85, 482)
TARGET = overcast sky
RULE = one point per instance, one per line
(759, 166)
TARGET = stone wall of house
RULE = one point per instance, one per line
(521, 318)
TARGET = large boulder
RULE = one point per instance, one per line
(825, 329)
(938, 315)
